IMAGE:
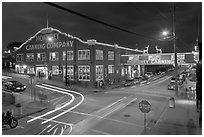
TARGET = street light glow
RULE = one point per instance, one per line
(165, 33)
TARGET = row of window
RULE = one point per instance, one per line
(83, 71)
(54, 56)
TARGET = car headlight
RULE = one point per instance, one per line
(18, 88)
(24, 86)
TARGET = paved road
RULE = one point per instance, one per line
(113, 112)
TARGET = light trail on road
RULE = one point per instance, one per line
(52, 111)
(82, 99)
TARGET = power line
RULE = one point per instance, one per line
(98, 21)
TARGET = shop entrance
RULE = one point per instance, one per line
(42, 72)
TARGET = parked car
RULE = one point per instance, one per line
(171, 86)
(129, 82)
(149, 74)
(138, 78)
(14, 86)
(180, 82)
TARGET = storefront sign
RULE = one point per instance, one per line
(45, 37)
(50, 45)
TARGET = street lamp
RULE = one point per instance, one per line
(167, 35)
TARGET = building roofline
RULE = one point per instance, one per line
(73, 37)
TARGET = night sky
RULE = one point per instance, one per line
(20, 21)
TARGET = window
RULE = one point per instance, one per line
(110, 55)
(99, 72)
(110, 69)
(99, 54)
(30, 70)
(53, 56)
(55, 70)
(29, 57)
(70, 55)
(19, 57)
(122, 71)
(84, 73)
(70, 72)
(41, 57)
(83, 54)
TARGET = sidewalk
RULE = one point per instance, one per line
(28, 105)
(181, 120)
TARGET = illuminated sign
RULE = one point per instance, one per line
(50, 45)
(160, 59)
(46, 37)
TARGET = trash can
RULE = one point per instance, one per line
(172, 102)
(19, 110)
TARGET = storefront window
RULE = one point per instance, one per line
(84, 73)
(99, 72)
(30, 57)
(30, 70)
(70, 55)
(55, 70)
(41, 57)
(122, 71)
(110, 69)
(19, 57)
(110, 55)
(53, 56)
(83, 54)
(99, 54)
(70, 72)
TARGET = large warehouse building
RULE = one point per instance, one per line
(51, 54)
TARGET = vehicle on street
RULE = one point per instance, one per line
(149, 74)
(9, 119)
(138, 78)
(14, 86)
(171, 85)
(129, 82)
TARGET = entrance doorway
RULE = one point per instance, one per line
(42, 72)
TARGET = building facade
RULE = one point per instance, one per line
(51, 54)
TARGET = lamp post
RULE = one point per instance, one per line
(169, 36)
(175, 53)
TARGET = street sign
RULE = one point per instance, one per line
(144, 106)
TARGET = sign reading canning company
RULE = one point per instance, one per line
(51, 41)
(160, 59)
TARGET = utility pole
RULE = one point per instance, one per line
(66, 66)
(175, 53)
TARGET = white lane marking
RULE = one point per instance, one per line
(52, 128)
(44, 129)
(82, 99)
(112, 104)
(154, 78)
(109, 112)
(143, 82)
(55, 131)
(133, 86)
(121, 106)
(62, 130)
(148, 82)
(101, 132)
(56, 108)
